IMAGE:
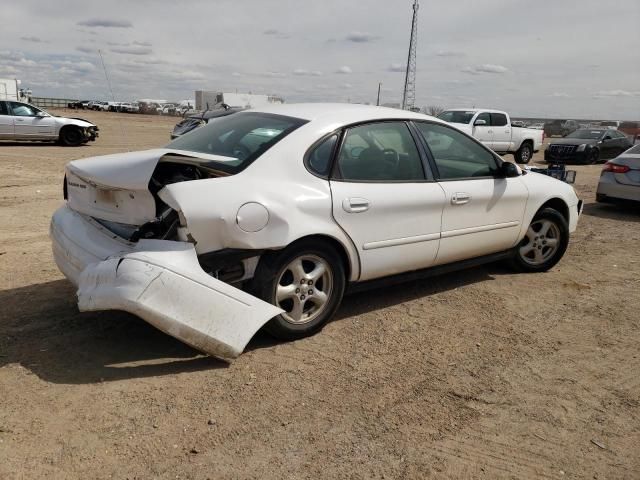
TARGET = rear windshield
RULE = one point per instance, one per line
(590, 134)
(456, 116)
(241, 137)
(635, 149)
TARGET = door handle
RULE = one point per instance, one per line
(355, 205)
(460, 198)
(19, 119)
(489, 131)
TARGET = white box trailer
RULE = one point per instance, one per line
(243, 100)
(10, 90)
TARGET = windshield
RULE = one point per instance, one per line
(241, 137)
(456, 116)
(589, 134)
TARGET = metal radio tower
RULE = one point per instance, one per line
(409, 94)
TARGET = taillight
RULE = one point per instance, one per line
(615, 168)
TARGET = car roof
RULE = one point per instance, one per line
(340, 113)
(475, 110)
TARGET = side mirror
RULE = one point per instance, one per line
(606, 137)
(480, 122)
(509, 170)
(40, 114)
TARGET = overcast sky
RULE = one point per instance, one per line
(565, 58)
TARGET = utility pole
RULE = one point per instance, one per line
(378, 102)
(409, 93)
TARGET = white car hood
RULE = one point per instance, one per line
(73, 121)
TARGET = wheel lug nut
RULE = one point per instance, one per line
(301, 297)
(310, 282)
(302, 282)
(297, 290)
(310, 292)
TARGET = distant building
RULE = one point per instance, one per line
(214, 99)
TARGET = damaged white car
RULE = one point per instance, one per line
(22, 121)
(266, 217)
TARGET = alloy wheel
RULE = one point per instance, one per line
(304, 288)
(540, 243)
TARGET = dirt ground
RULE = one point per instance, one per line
(478, 374)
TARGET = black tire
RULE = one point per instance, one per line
(524, 153)
(273, 271)
(594, 156)
(539, 246)
(71, 136)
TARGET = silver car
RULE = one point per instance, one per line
(620, 177)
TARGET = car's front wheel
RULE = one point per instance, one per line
(71, 136)
(306, 280)
(544, 243)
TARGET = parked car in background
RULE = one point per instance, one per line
(495, 129)
(630, 129)
(79, 104)
(536, 126)
(197, 120)
(587, 146)
(611, 125)
(167, 109)
(620, 177)
(560, 128)
(22, 121)
(265, 216)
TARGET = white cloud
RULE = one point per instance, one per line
(397, 67)
(361, 37)
(32, 39)
(301, 72)
(485, 68)
(617, 93)
(449, 53)
(84, 49)
(559, 95)
(106, 23)
(132, 50)
(344, 70)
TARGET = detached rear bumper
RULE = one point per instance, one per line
(158, 280)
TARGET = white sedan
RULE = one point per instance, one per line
(23, 121)
(268, 216)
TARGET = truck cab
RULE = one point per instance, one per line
(494, 129)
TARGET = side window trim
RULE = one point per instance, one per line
(336, 173)
(332, 160)
(432, 161)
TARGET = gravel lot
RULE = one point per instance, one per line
(477, 374)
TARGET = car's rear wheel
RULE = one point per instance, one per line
(544, 243)
(71, 136)
(306, 280)
(524, 153)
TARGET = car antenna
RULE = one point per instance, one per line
(113, 99)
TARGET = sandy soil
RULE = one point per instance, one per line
(479, 374)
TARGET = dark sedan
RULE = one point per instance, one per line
(198, 119)
(587, 146)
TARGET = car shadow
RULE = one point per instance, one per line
(377, 298)
(620, 210)
(42, 330)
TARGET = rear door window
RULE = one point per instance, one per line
(3, 108)
(498, 119)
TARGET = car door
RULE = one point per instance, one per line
(484, 132)
(501, 131)
(6, 122)
(482, 212)
(28, 125)
(385, 199)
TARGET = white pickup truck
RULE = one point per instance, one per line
(494, 129)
